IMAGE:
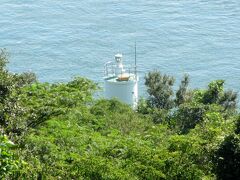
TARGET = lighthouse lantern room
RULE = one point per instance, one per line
(121, 82)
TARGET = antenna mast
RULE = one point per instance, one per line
(135, 68)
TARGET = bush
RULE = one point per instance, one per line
(9, 165)
(228, 158)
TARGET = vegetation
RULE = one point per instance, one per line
(228, 156)
(9, 164)
(59, 131)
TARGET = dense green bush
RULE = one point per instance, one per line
(11, 83)
(9, 164)
(188, 116)
(228, 158)
(159, 88)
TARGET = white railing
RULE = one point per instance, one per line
(110, 70)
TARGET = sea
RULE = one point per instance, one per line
(61, 39)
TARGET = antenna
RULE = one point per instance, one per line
(135, 68)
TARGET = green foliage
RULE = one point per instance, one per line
(114, 115)
(188, 116)
(183, 95)
(3, 59)
(157, 115)
(237, 130)
(186, 150)
(229, 100)
(190, 105)
(9, 165)
(90, 143)
(143, 107)
(159, 88)
(41, 101)
(26, 78)
(227, 155)
(5, 77)
(214, 92)
(62, 149)
(228, 158)
(10, 83)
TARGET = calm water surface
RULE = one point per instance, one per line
(59, 39)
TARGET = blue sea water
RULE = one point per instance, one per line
(60, 39)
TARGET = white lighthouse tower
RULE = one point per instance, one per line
(121, 82)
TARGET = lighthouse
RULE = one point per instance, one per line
(121, 82)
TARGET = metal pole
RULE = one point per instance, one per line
(135, 59)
